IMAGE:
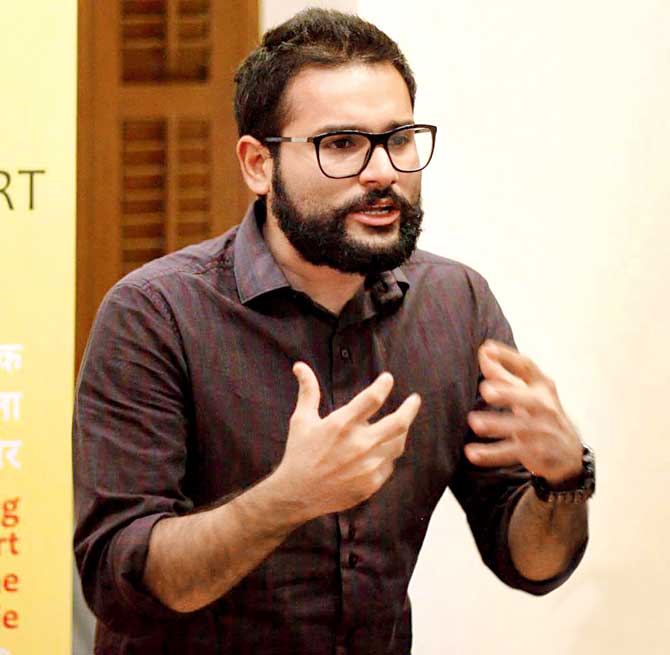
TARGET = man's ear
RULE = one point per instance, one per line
(256, 164)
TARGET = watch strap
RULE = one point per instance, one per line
(574, 493)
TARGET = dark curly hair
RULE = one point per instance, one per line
(313, 37)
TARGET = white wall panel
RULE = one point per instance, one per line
(551, 178)
(274, 12)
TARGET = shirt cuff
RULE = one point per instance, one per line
(129, 550)
(507, 571)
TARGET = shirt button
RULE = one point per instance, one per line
(353, 560)
(345, 353)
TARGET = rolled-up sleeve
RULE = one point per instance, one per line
(129, 445)
(489, 495)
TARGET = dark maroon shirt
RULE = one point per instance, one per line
(184, 397)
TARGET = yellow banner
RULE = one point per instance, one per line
(38, 51)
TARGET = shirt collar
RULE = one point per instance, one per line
(257, 271)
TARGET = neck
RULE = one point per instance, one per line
(326, 286)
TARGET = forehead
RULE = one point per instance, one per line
(369, 97)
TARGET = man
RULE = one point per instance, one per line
(265, 421)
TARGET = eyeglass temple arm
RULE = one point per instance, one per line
(288, 139)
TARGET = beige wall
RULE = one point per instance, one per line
(551, 178)
(273, 12)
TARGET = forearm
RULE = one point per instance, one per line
(544, 537)
(195, 559)
(329, 465)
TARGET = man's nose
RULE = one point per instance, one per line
(379, 171)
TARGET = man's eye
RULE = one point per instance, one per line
(400, 140)
(340, 143)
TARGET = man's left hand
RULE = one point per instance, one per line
(535, 432)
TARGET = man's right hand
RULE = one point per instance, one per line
(331, 464)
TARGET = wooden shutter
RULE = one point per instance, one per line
(165, 40)
(157, 167)
(144, 223)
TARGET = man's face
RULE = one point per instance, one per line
(363, 224)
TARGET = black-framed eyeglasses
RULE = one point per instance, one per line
(345, 153)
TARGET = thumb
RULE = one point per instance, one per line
(309, 394)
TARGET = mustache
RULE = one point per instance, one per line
(373, 196)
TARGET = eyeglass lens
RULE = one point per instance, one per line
(343, 155)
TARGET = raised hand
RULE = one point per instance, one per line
(536, 431)
(331, 464)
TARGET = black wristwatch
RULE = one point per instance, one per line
(575, 492)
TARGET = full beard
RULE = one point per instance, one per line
(322, 239)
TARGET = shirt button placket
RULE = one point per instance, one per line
(343, 385)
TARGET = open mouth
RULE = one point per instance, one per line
(380, 213)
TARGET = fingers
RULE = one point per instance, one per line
(386, 438)
(495, 424)
(491, 367)
(508, 425)
(384, 472)
(391, 449)
(380, 471)
(521, 397)
(498, 360)
(309, 395)
(369, 401)
(398, 422)
(498, 453)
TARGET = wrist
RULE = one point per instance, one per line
(570, 489)
(566, 479)
(285, 504)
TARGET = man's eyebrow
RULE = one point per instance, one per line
(338, 127)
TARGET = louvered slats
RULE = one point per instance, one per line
(144, 39)
(144, 192)
(166, 187)
(166, 162)
(194, 180)
(165, 40)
